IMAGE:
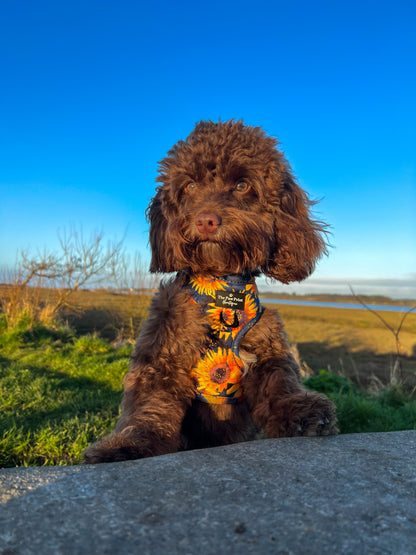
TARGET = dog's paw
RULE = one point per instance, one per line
(101, 453)
(116, 447)
(304, 414)
(129, 444)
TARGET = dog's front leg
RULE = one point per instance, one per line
(158, 388)
(280, 403)
(150, 421)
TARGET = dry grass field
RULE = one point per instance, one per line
(354, 343)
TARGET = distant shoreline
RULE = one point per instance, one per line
(338, 305)
(337, 299)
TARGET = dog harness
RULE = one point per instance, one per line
(233, 307)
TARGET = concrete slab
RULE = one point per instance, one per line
(347, 494)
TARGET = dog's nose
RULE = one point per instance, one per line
(207, 223)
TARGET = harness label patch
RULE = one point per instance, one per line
(229, 299)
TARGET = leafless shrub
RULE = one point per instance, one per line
(129, 274)
(81, 261)
(19, 292)
(132, 279)
(396, 366)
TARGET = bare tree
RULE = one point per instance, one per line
(130, 274)
(132, 278)
(396, 369)
(81, 261)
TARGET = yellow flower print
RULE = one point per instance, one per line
(217, 372)
(206, 285)
(251, 289)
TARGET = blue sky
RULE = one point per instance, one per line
(93, 94)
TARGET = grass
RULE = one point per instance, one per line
(390, 409)
(57, 394)
(60, 386)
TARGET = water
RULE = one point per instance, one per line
(327, 304)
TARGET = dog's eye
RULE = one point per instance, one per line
(242, 187)
(191, 186)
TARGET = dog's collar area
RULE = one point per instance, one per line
(233, 307)
(236, 279)
(231, 279)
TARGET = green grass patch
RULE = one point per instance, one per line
(389, 410)
(56, 396)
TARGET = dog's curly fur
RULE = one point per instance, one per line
(227, 203)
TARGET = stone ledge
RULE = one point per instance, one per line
(347, 494)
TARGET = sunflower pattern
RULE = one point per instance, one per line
(233, 307)
(217, 376)
(205, 285)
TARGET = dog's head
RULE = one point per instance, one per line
(229, 204)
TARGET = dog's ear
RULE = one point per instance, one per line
(299, 240)
(161, 251)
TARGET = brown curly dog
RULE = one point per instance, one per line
(211, 366)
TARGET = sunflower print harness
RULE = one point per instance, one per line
(233, 307)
